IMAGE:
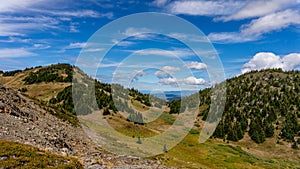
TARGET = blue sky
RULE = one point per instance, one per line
(246, 34)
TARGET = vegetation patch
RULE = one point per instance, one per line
(16, 155)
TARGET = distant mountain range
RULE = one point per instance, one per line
(170, 95)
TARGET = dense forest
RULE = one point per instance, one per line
(53, 73)
(259, 103)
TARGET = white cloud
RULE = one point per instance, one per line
(123, 43)
(188, 37)
(205, 7)
(256, 28)
(170, 69)
(94, 49)
(15, 52)
(258, 8)
(88, 47)
(15, 39)
(73, 29)
(271, 22)
(139, 73)
(41, 46)
(166, 71)
(291, 61)
(186, 81)
(39, 6)
(230, 9)
(272, 15)
(13, 5)
(10, 25)
(196, 65)
(230, 37)
(139, 33)
(69, 13)
(168, 81)
(194, 81)
(76, 45)
(267, 60)
(16, 16)
(159, 2)
(177, 52)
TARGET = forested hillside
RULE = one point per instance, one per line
(61, 104)
(262, 104)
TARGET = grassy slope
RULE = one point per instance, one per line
(16, 155)
(213, 154)
(41, 91)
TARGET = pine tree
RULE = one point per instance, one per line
(165, 148)
(139, 141)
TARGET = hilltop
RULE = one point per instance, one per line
(262, 112)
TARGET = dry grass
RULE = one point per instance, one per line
(42, 91)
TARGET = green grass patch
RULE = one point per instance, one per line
(193, 131)
(16, 155)
(167, 118)
(191, 154)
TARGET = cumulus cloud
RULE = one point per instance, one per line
(166, 71)
(267, 60)
(170, 69)
(186, 81)
(291, 61)
(196, 65)
(194, 81)
(168, 81)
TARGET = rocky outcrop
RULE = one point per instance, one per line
(25, 121)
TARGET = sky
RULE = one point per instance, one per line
(245, 35)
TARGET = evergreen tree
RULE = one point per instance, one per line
(139, 141)
(165, 148)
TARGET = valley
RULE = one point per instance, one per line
(41, 113)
